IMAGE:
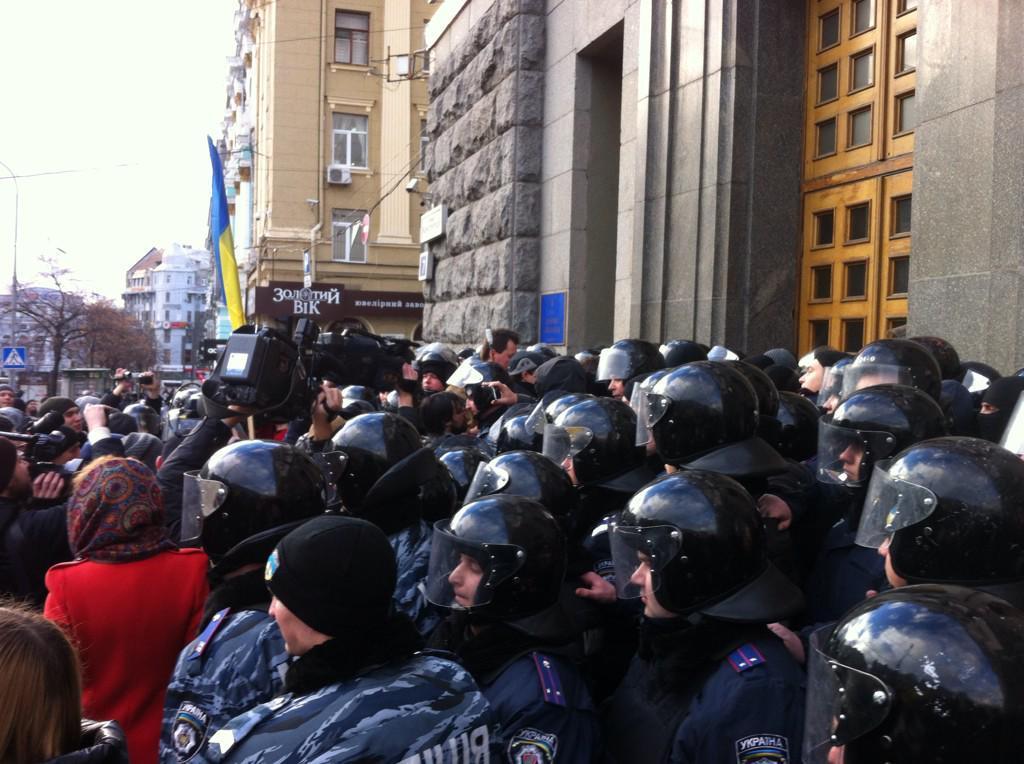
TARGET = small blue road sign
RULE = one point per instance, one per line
(13, 358)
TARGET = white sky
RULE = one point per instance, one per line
(95, 85)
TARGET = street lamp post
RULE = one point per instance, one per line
(12, 374)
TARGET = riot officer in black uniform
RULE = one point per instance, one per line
(624, 360)
(498, 566)
(709, 682)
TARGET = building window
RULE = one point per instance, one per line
(853, 335)
(905, 116)
(863, 15)
(826, 138)
(858, 222)
(828, 84)
(906, 53)
(901, 211)
(167, 335)
(821, 283)
(892, 324)
(167, 357)
(899, 276)
(856, 279)
(828, 30)
(824, 228)
(348, 246)
(862, 70)
(350, 140)
(859, 130)
(905, 5)
(819, 332)
(424, 142)
(352, 38)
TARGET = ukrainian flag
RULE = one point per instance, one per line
(223, 246)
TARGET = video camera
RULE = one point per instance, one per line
(263, 371)
(144, 379)
(42, 446)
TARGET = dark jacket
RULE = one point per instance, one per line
(191, 454)
(707, 695)
(101, 743)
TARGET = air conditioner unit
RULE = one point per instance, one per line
(339, 175)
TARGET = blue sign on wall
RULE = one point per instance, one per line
(552, 318)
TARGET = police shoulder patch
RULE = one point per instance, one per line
(531, 746)
(762, 749)
(745, 657)
(550, 682)
(204, 639)
(189, 731)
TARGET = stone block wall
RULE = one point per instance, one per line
(484, 162)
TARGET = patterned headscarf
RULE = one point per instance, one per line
(116, 512)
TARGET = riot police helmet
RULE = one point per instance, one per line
(627, 358)
(527, 474)
(922, 673)
(501, 557)
(515, 434)
(698, 407)
(894, 361)
(945, 354)
(678, 352)
(798, 427)
(247, 496)
(599, 436)
(700, 537)
(462, 463)
(873, 424)
(436, 358)
(145, 416)
(950, 511)
(374, 443)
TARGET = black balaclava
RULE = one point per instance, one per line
(1003, 394)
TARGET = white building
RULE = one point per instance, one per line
(167, 290)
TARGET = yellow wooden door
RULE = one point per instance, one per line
(858, 154)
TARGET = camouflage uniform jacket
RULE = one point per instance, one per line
(236, 663)
(422, 709)
(412, 554)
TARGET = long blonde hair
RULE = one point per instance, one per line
(40, 689)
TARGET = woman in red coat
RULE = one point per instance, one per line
(131, 600)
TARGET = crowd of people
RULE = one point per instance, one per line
(639, 553)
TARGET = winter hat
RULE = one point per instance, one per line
(86, 400)
(8, 461)
(144, 447)
(120, 423)
(336, 574)
(56, 403)
(782, 357)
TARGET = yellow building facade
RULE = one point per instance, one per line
(335, 100)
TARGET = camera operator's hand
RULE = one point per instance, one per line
(242, 411)
(152, 390)
(326, 407)
(505, 395)
(95, 415)
(123, 384)
(49, 485)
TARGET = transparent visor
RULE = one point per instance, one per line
(657, 407)
(561, 443)
(637, 550)
(845, 455)
(465, 574)
(870, 374)
(200, 498)
(1013, 436)
(831, 387)
(638, 402)
(487, 480)
(332, 464)
(538, 419)
(975, 382)
(464, 376)
(891, 504)
(614, 363)
(843, 704)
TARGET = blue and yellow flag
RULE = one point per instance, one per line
(223, 246)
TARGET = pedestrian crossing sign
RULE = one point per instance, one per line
(13, 357)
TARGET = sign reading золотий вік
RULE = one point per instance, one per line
(332, 301)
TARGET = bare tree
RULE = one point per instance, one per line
(59, 313)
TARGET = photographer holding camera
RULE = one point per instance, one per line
(120, 396)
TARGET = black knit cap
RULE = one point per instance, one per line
(336, 574)
(56, 403)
